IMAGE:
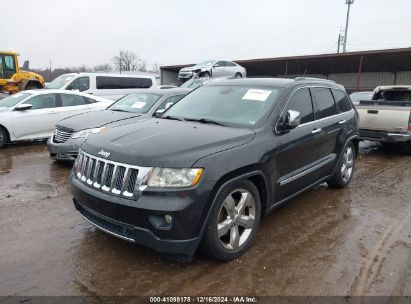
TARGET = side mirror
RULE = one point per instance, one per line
(168, 105)
(23, 107)
(159, 112)
(292, 119)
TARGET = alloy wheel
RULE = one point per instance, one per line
(236, 219)
(348, 163)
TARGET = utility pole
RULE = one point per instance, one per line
(50, 72)
(339, 43)
(348, 2)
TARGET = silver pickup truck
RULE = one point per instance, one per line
(387, 116)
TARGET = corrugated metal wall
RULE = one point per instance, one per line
(368, 81)
(301, 75)
(168, 77)
(404, 78)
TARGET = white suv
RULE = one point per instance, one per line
(111, 86)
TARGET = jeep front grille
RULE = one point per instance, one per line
(108, 176)
(61, 135)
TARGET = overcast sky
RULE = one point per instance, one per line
(91, 32)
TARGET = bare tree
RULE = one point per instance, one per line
(155, 68)
(106, 67)
(129, 61)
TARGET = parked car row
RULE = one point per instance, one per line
(32, 115)
(182, 169)
(71, 132)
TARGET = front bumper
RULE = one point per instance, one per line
(184, 77)
(141, 220)
(64, 151)
(382, 136)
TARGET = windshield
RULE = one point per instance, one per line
(135, 103)
(12, 100)
(194, 83)
(205, 63)
(228, 105)
(59, 82)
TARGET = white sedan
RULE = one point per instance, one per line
(32, 115)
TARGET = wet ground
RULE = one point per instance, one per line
(355, 241)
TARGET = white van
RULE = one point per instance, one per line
(110, 86)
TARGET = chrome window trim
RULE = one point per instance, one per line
(315, 120)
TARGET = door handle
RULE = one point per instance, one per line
(315, 131)
(342, 122)
(372, 111)
(53, 112)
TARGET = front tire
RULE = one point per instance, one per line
(345, 168)
(233, 222)
(4, 138)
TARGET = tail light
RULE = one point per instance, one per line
(409, 122)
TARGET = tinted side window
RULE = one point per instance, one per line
(89, 100)
(73, 85)
(342, 101)
(169, 102)
(83, 83)
(42, 101)
(112, 83)
(230, 64)
(68, 100)
(220, 63)
(324, 101)
(300, 101)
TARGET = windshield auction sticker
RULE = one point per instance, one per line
(138, 105)
(254, 94)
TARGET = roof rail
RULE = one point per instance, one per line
(313, 79)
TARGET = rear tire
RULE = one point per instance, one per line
(4, 137)
(345, 168)
(233, 222)
(238, 75)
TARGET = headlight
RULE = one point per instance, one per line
(87, 132)
(169, 177)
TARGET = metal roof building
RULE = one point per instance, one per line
(357, 71)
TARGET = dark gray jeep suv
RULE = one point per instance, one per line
(206, 171)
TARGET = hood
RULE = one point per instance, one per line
(194, 67)
(95, 119)
(165, 143)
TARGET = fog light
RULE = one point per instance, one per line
(168, 218)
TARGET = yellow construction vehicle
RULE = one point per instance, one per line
(12, 79)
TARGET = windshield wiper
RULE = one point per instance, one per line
(171, 118)
(206, 121)
(119, 110)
